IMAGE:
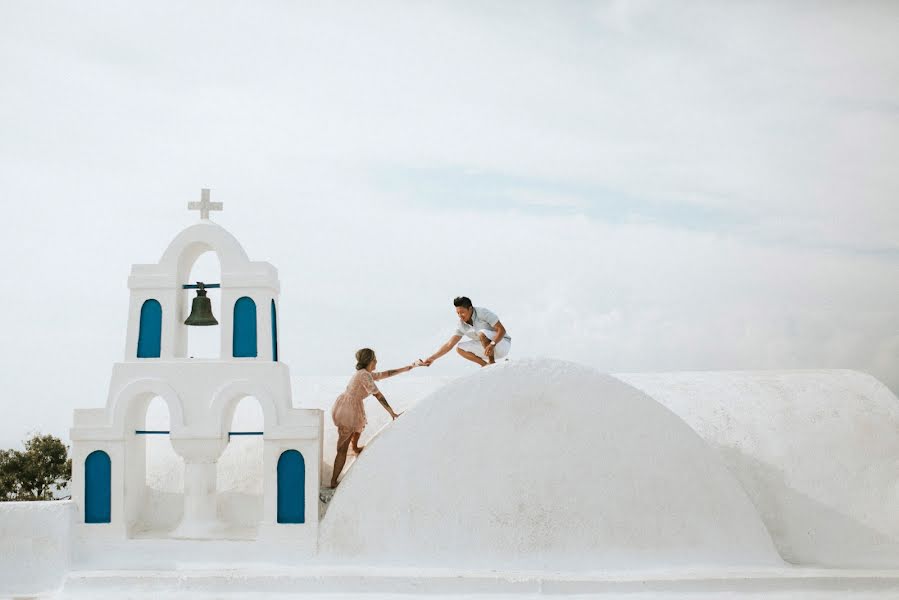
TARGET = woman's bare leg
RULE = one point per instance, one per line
(343, 444)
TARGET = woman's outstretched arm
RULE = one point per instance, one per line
(391, 372)
(386, 406)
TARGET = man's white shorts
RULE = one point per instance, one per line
(475, 347)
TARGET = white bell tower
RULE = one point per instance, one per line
(108, 444)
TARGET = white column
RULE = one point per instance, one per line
(174, 331)
(226, 321)
(200, 519)
(263, 327)
(133, 332)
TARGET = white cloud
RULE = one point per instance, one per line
(780, 120)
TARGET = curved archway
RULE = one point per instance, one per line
(245, 335)
(225, 400)
(149, 337)
(130, 404)
(291, 487)
(183, 251)
(97, 488)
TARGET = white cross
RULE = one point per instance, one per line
(204, 205)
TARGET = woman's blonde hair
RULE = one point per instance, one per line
(364, 358)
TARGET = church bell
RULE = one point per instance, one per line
(201, 309)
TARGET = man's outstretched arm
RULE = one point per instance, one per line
(443, 349)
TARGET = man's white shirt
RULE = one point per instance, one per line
(481, 318)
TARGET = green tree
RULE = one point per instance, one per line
(36, 472)
(10, 465)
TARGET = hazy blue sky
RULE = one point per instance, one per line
(638, 186)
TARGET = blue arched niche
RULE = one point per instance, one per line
(274, 332)
(291, 487)
(244, 342)
(97, 487)
(149, 338)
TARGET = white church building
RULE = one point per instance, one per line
(529, 478)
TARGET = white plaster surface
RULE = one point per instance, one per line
(406, 583)
(542, 464)
(34, 545)
(817, 451)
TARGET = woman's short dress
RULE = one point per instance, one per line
(348, 412)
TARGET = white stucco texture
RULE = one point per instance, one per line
(542, 464)
(817, 451)
(34, 546)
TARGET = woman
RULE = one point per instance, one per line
(349, 412)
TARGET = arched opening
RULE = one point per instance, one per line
(239, 471)
(244, 344)
(204, 342)
(291, 487)
(149, 338)
(274, 332)
(163, 475)
(97, 488)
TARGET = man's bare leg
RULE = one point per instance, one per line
(485, 342)
(356, 447)
(471, 356)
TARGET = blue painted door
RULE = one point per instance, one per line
(149, 338)
(291, 484)
(97, 487)
(274, 333)
(244, 341)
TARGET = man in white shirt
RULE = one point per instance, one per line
(489, 339)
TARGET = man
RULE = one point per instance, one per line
(488, 342)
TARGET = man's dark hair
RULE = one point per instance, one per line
(462, 301)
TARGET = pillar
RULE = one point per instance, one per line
(200, 518)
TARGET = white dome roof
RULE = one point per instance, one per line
(816, 451)
(542, 464)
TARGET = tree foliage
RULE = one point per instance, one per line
(34, 474)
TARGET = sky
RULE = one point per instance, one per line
(636, 186)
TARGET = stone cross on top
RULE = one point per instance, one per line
(204, 205)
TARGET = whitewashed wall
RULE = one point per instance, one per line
(34, 546)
